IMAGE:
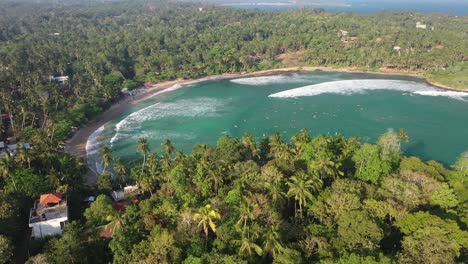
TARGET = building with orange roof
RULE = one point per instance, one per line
(49, 215)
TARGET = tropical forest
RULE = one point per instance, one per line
(308, 198)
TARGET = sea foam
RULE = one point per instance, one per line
(348, 87)
(93, 144)
(264, 80)
(451, 94)
(130, 127)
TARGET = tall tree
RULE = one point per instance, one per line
(301, 187)
(206, 217)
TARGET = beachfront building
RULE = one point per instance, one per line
(49, 215)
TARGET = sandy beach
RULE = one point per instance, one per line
(77, 144)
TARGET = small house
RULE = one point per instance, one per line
(421, 25)
(59, 79)
(344, 32)
(119, 195)
(49, 215)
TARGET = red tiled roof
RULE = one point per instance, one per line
(50, 198)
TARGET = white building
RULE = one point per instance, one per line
(421, 25)
(118, 195)
(59, 79)
(49, 215)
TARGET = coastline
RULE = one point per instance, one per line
(77, 144)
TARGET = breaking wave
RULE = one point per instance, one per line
(348, 87)
(452, 94)
(93, 144)
(262, 80)
(130, 127)
(283, 78)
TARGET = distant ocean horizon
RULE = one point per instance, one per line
(367, 7)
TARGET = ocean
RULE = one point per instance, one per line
(353, 104)
(453, 7)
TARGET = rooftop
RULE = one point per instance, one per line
(48, 211)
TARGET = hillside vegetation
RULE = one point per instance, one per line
(324, 199)
(106, 46)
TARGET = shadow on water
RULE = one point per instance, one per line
(418, 148)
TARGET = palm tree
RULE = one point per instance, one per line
(143, 148)
(275, 191)
(205, 217)
(275, 145)
(121, 170)
(301, 188)
(23, 155)
(248, 244)
(168, 147)
(402, 136)
(7, 166)
(326, 168)
(106, 156)
(299, 140)
(246, 213)
(216, 176)
(152, 163)
(116, 223)
(271, 243)
(250, 145)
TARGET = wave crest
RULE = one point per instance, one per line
(130, 127)
(348, 87)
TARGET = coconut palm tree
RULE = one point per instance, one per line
(205, 217)
(168, 147)
(275, 191)
(152, 163)
(326, 168)
(144, 149)
(250, 146)
(121, 170)
(216, 175)
(299, 140)
(246, 213)
(271, 242)
(23, 156)
(301, 187)
(116, 223)
(248, 244)
(7, 166)
(402, 136)
(106, 156)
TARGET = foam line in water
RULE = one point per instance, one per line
(452, 94)
(348, 87)
(283, 78)
(263, 80)
(130, 127)
(93, 144)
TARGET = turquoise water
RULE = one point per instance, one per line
(363, 105)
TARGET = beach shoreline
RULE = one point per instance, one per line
(77, 144)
